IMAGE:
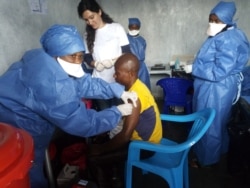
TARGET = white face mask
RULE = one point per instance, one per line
(71, 68)
(133, 32)
(215, 28)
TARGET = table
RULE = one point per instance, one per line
(181, 74)
(156, 75)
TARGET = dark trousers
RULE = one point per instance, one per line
(108, 170)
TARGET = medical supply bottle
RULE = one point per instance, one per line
(177, 64)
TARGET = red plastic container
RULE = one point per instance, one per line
(16, 157)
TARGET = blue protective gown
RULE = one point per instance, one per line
(37, 95)
(245, 90)
(216, 72)
(138, 48)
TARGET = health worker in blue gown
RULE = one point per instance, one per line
(138, 47)
(44, 90)
(217, 78)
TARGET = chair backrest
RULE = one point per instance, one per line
(201, 122)
(175, 89)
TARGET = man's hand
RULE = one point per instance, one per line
(188, 68)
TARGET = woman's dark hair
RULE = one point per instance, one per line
(92, 6)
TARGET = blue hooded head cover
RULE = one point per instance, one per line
(134, 21)
(61, 40)
(225, 12)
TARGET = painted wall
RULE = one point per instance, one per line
(169, 26)
(21, 28)
(172, 26)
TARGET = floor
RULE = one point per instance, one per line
(199, 178)
(216, 176)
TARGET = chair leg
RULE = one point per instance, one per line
(48, 169)
(177, 180)
(186, 175)
(129, 176)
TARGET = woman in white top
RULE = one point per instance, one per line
(106, 41)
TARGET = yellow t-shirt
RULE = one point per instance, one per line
(149, 127)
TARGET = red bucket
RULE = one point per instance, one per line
(17, 154)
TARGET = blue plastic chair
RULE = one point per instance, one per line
(177, 92)
(170, 159)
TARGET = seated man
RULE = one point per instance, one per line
(143, 124)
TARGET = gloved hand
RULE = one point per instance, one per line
(108, 63)
(99, 66)
(126, 95)
(125, 109)
(117, 129)
(188, 68)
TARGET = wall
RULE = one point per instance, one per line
(21, 29)
(169, 26)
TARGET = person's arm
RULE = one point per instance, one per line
(126, 49)
(219, 60)
(123, 39)
(88, 58)
(140, 50)
(97, 88)
(59, 104)
(123, 137)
